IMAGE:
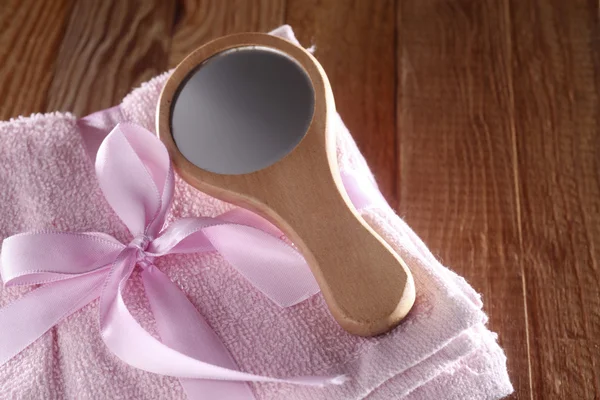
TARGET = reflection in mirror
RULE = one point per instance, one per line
(242, 110)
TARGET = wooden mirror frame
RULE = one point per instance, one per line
(366, 285)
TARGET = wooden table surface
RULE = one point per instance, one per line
(480, 119)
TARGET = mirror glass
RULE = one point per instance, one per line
(242, 110)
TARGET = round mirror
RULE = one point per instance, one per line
(242, 110)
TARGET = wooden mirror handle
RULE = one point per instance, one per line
(367, 286)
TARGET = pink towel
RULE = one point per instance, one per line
(442, 350)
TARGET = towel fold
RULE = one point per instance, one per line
(441, 350)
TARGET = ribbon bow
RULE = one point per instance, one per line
(135, 175)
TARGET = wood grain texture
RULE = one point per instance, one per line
(479, 117)
(201, 21)
(457, 173)
(368, 288)
(557, 88)
(355, 44)
(109, 47)
(30, 34)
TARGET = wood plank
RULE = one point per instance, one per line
(199, 21)
(458, 185)
(109, 48)
(557, 88)
(495, 163)
(355, 43)
(31, 32)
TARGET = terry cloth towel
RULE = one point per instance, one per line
(441, 350)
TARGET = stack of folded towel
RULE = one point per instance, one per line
(442, 350)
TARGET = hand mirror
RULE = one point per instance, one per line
(246, 119)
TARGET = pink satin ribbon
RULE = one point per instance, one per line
(135, 175)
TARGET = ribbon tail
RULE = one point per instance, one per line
(182, 328)
(25, 320)
(127, 340)
(272, 266)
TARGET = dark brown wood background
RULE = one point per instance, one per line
(480, 119)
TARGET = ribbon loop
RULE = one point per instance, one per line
(135, 175)
(136, 178)
(271, 265)
(43, 257)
